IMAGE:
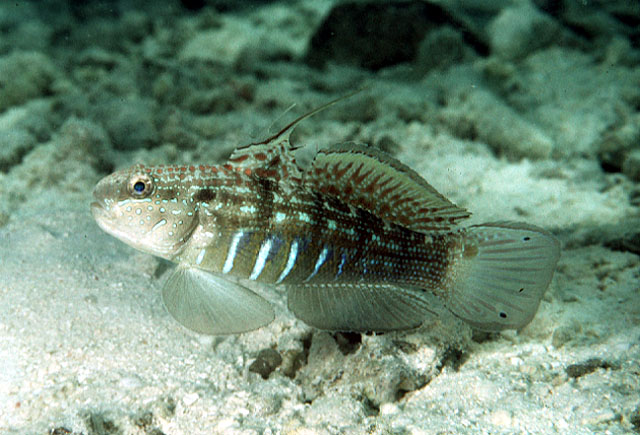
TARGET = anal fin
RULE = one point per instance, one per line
(209, 304)
(359, 307)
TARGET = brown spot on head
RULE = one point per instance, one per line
(204, 195)
(169, 193)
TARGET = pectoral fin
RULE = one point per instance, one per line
(209, 304)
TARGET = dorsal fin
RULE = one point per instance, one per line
(273, 157)
(372, 180)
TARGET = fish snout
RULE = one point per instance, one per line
(104, 195)
(102, 190)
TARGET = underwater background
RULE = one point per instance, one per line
(514, 109)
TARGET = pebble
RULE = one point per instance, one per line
(606, 416)
(190, 398)
(631, 165)
(588, 366)
(518, 31)
(565, 333)
(501, 418)
(266, 362)
(634, 419)
(24, 75)
(487, 115)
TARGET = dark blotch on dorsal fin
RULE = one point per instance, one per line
(372, 180)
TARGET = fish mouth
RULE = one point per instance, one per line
(97, 209)
(101, 215)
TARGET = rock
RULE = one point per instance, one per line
(616, 144)
(85, 141)
(480, 115)
(222, 45)
(100, 425)
(605, 417)
(14, 145)
(624, 236)
(441, 48)
(97, 58)
(135, 25)
(634, 419)
(501, 417)
(575, 105)
(266, 362)
(631, 165)
(565, 333)
(339, 411)
(375, 35)
(377, 372)
(593, 21)
(24, 75)
(4, 217)
(589, 366)
(70, 160)
(193, 5)
(130, 123)
(519, 30)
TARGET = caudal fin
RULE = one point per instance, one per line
(506, 268)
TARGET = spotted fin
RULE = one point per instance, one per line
(359, 307)
(502, 276)
(209, 304)
(372, 180)
(273, 157)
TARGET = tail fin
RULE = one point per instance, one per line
(501, 278)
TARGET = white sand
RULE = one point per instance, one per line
(86, 344)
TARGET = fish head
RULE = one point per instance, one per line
(148, 212)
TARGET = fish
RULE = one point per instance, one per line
(358, 240)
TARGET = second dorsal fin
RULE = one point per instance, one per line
(374, 181)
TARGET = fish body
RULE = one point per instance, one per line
(360, 241)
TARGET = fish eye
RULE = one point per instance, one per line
(140, 186)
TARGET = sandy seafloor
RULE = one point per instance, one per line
(513, 109)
